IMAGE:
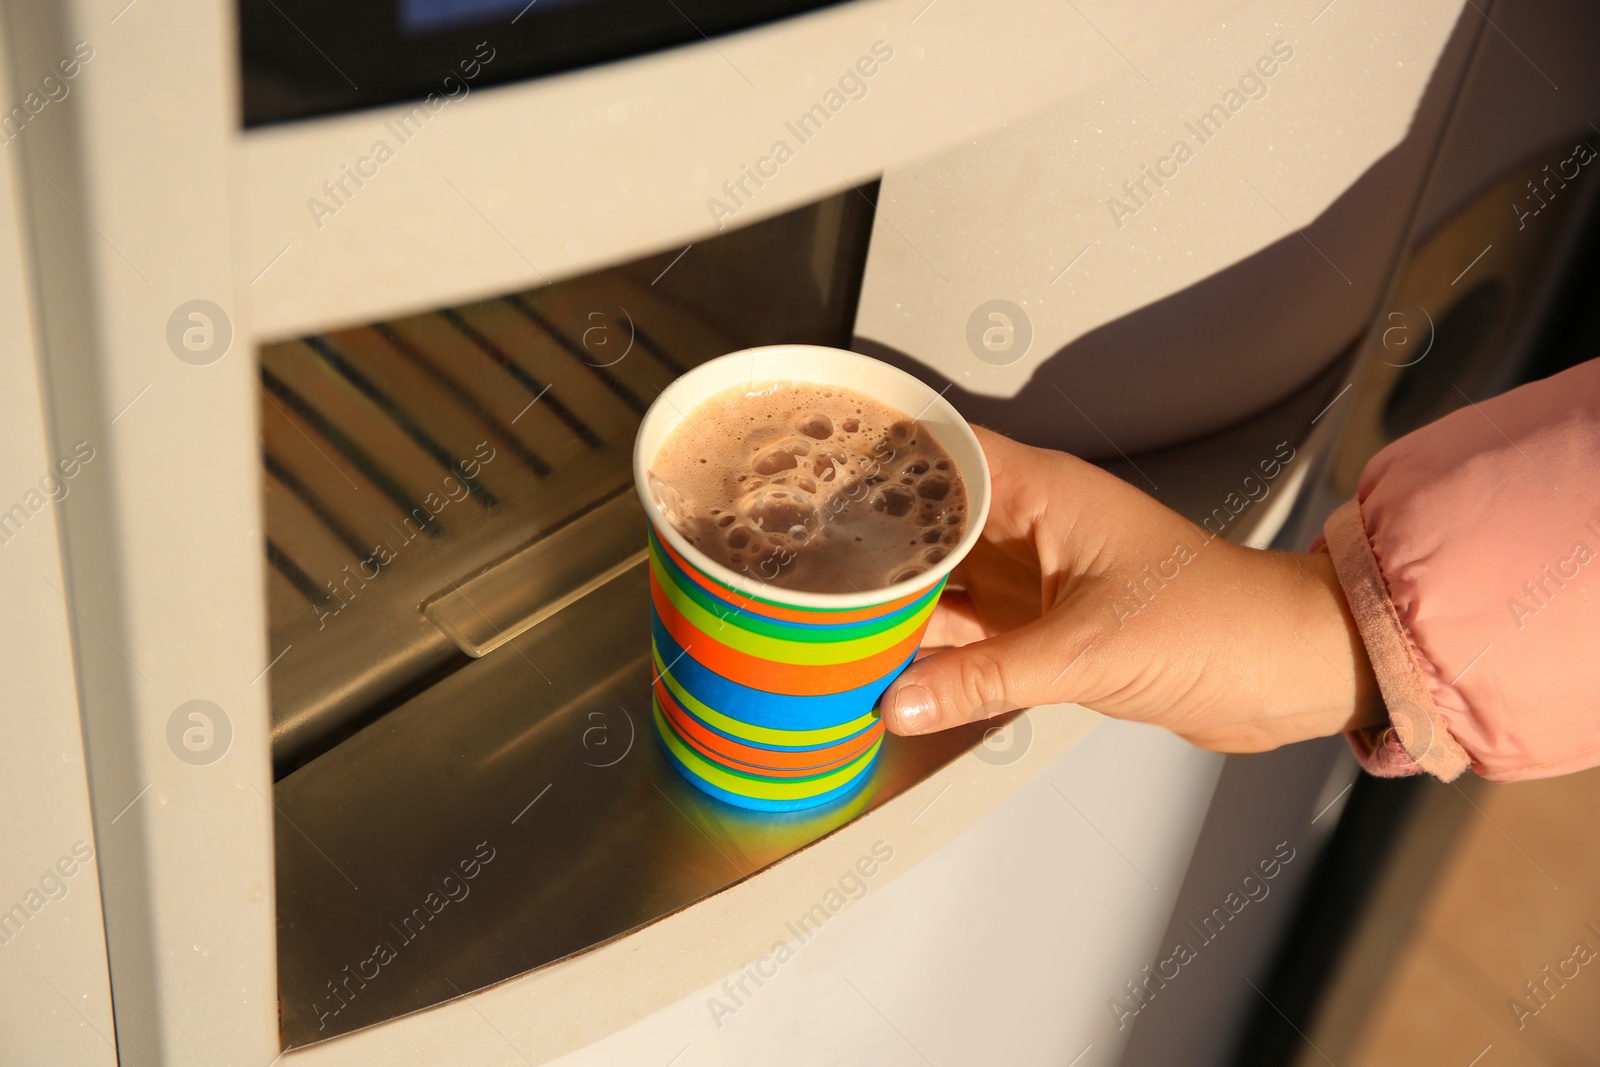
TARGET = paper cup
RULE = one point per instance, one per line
(766, 697)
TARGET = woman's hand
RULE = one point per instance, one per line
(1085, 590)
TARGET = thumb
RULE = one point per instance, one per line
(1039, 663)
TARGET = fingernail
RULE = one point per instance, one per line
(912, 708)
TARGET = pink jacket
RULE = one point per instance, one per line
(1471, 560)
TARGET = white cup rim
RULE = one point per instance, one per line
(938, 415)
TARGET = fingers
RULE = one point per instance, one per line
(1022, 666)
(1052, 505)
(1033, 664)
(954, 622)
(1014, 469)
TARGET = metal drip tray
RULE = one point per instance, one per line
(515, 813)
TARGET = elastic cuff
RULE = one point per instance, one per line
(1417, 738)
(1380, 753)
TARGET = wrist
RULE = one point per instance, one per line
(1343, 695)
(1295, 650)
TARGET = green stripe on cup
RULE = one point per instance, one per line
(803, 653)
(815, 633)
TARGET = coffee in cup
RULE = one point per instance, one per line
(811, 487)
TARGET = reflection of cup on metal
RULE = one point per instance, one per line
(766, 697)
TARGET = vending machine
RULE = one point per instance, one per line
(327, 329)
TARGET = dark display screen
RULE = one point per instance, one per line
(427, 16)
(303, 58)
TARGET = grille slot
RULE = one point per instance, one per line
(403, 457)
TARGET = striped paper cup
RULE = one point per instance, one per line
(766, 697)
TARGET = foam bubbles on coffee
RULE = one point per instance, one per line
(810, 487)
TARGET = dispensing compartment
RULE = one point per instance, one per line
(468, 783)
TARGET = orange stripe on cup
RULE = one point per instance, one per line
(794, 679)
(750, 759)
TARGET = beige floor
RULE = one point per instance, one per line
(1516, 895)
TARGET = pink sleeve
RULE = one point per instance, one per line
(1471, 561)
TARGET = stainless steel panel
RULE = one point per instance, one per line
(400, 458)
(519, 592)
